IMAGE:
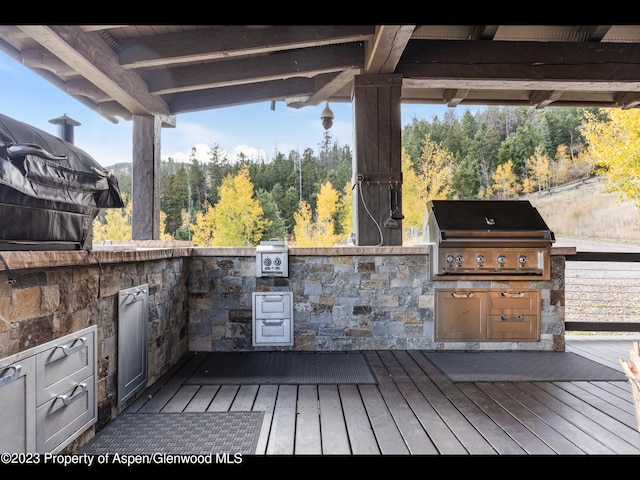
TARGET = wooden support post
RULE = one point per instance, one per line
(377, 159)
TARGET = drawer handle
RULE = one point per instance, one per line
(512, 294)
(77, 345)
(6, 379)
(272, 322)
(273, 298)
(462, 295)
(517, 318)
(75, 395)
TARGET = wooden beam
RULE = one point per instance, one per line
(242, 94)
(543, 98)
(261, 69)
(386, 48)
(89, 55)
(223, 42)
(604, 64)
(453, 97)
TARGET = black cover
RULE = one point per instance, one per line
(50, 190)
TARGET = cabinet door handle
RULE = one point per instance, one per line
(6, 379)
(75, 395)
(462, 295)
(517, 318)
(512, 294)
(76, 346)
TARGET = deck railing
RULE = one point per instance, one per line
(602, 292)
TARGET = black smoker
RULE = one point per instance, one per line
(50, 190)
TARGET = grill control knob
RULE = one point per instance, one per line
(449, 258)
(522, 259)
(480, 259)
(501, 260)
(267, 261)
(459, 259)
(277, 261)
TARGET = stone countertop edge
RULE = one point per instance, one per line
(25, 259)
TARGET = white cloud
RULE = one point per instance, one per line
(251, 153)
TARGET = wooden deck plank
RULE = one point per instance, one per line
(384, 427)
(202, 399)
(174, 376)
(520, 433)
(542, 430)
(416, 439)
(496, 436)
(283, 424)
(603, 428)
(335, 440)
(181, 399)
(620, 389)
(361, 436)
(417, 409)
(308, 440)
(614, 395)
(473, 442)
(223, 399)
(245, 398)
(593, 397)
(442, 437)
(577, 436)
(265, 402)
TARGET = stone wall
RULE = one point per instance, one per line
(58, 293)
(346, 298)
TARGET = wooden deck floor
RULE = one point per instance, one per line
(416, 410)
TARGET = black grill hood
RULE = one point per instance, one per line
(485, 219)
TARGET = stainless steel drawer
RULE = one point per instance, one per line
(64, 364)
(70, 412)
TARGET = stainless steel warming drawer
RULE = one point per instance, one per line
(487, 314)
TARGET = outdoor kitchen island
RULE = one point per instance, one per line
(200, 300)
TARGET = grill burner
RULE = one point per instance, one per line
(488, 238)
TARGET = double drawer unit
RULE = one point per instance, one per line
(48, 394)
(272, 319)
(487, 315)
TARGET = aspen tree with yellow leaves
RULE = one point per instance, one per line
(436, 166)
(116, 226)
(321, 232)
(303, 229)
(237, 218)
(505, 181)
(414, 195)
(615, 145)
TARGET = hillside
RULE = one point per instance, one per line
(581, 210)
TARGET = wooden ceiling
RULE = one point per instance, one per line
(166, 70)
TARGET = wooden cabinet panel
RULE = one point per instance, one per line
(460, 315)
(487, 315)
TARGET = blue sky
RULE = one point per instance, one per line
(253, 129)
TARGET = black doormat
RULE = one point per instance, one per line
(283, 368)
(521, 367)
(172, 433)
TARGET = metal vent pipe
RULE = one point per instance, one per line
(65, 127)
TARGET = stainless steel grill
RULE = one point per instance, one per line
(497, 239)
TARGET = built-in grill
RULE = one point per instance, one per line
(493, 239)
